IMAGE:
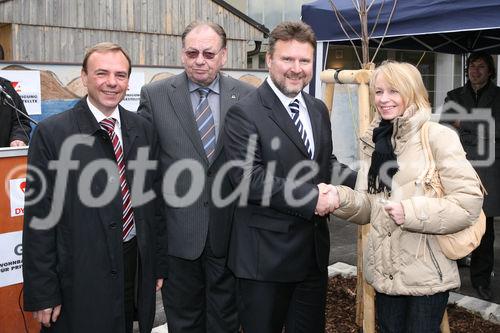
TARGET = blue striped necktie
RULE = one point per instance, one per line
(294, 108)
(205, 122)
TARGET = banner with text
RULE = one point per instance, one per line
(132, 98)
(11, 261)
(27, 85)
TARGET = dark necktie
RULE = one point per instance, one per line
(205, 123)
(294, 108)
(108, 124)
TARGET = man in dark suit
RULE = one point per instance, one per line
(90, 250)
(481, 92)
(188, 112)
(14, 128)
(281, 137)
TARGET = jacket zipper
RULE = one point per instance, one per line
(434, 261)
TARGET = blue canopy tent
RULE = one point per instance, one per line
(446, 26)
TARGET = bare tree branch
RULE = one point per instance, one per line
(378, 15)
(386, 28)
(339, 16)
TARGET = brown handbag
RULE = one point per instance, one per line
(459, 244)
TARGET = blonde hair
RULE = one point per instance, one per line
(406, 79)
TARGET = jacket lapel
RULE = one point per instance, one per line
(280, 116)
(467, 98)
(181, 102)
(84, 118)
(486, 99)
(229, 95)
(316, 125)
(129, 132)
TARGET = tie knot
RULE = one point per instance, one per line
(108, 124)
(203, 92)
(294, 106)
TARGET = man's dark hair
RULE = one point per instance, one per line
(288, 30)
(487, 58)
(215, 27)
(102, 48)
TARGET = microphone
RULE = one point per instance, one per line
(10, 102)
(4, 93)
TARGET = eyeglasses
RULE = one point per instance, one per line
(193, 54)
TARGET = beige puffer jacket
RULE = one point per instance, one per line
(406, 259)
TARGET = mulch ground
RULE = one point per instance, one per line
(341, 311)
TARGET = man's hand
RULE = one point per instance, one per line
(396, 212)
(45, 316)
(328, 199)
(17, 143)
(159, 284)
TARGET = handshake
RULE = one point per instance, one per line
(328, 199)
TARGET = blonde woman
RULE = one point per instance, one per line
(402, 260)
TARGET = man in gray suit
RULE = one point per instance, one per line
(188, 112)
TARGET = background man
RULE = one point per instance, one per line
(279, 248)
(481, 92)
(14, 128)
(188, 112)
(79, 275)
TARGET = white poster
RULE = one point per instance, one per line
(132, 98)
(11, 261)
(27, 85)
(16, 195)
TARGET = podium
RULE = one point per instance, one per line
(12, 174)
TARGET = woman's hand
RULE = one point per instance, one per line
(396, 212)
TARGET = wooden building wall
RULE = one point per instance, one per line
(60, 30)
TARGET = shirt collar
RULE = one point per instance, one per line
(285, 100)
(214, 86)
(99, 116)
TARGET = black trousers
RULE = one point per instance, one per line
(267, 307)
(199, 296)
(410, 314)
(130, 268)
(482, 258)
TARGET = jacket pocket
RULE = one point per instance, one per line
(270, 223)
(434, 261)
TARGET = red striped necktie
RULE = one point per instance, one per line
(108, 124)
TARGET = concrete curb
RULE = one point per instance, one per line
(487, 310)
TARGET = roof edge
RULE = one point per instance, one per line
(262, 28)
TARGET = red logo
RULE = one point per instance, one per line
(22, 186)
(16, 86)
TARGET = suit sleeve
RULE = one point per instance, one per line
(160, 223)
(241, 143)
(21, 127)
(160, 219)
(144, 109)
(40, 271)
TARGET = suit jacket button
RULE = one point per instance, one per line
(389, 234)
(209, 173)
(205, 204)
(114, 272)
(391, 277)
(112, 225)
